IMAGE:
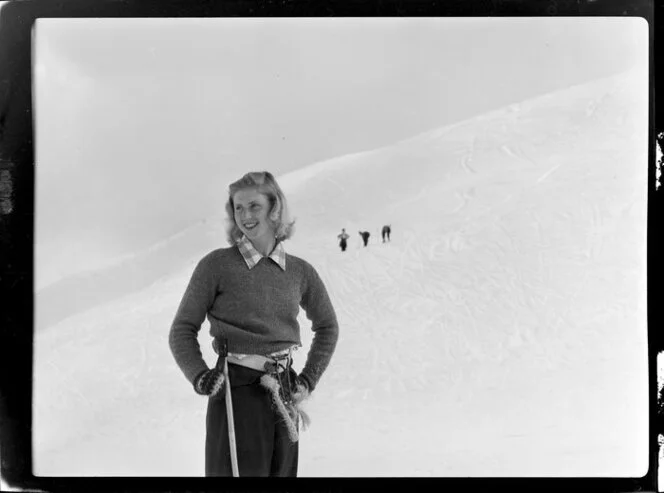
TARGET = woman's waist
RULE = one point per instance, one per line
(255, 331)
(282, 353)
(278, 361)
(241, 342)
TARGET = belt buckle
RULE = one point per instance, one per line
(275, 365)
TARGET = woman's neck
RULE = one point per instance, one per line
(265, 246)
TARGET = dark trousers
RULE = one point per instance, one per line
(263, 446)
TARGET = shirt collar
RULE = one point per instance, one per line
(252, 256)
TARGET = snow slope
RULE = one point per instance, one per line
(501, 332)
(121, 276)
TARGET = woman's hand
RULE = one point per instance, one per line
(209, 382)
(301, 389)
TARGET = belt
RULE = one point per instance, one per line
(260, 362)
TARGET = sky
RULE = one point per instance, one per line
(142, 123)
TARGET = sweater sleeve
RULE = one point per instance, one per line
(318, 308)
(183, 336)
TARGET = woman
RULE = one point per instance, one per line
(251, 294)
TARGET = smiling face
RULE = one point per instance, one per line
(251, 211)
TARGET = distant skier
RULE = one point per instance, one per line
(365, 237)
(385, 232)
(343, 237)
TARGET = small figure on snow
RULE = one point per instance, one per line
(249, 293)
(385, 232)
(343, 237)
(365, 237)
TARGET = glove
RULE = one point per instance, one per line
(300, 394)
(209, 382)
(301, 389)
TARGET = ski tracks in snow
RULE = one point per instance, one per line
(547, 173)
(384, 320)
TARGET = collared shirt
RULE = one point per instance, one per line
(252, 256)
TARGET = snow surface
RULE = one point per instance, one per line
(502, 331)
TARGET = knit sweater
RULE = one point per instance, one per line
(255, 309)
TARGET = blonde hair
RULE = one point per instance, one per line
(263, 182)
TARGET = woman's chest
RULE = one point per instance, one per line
(250, 289)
